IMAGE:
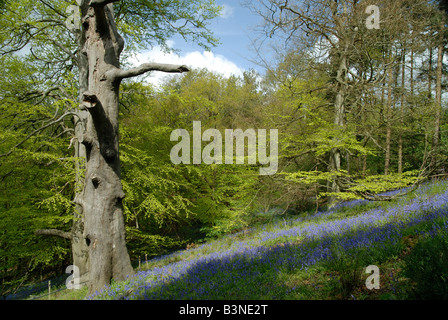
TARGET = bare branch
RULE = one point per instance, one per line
(36, 132)
(146, 67)
(101, 2)
(53, 232)
(64, 48)
(35, 94)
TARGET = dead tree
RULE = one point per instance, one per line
(102, 194)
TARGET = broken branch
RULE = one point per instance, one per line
(146, 67)
(54, 232)
(101, 2)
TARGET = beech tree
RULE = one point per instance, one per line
(101, 198)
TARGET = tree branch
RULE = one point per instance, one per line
(146, 67)
(53, 232)
(101, 2)
(37, 131)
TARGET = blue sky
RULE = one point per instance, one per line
(234, 28)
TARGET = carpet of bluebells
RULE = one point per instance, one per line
(249, 265)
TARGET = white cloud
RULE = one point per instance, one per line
(194, 60)
(227, 11)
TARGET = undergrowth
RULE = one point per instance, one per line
(315, 256)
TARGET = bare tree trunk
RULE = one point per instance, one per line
(435, 138)
(400, 153)
(430, 72)
(387, 156)
(101, 198)
(102, 194)
(400, 134)
(388, 120)
(411, 71)
(339, 109)
(364, 165)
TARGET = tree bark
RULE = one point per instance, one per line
(430, 72)
(339, 114)
(102, 194)
(54, 232)
(435, 138)
(388, 119)
(411, 71)
(345, 42)
(400, 134)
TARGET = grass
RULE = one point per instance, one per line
(319, 256)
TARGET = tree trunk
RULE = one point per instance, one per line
(435, 138)
(400, 153)
(345, 42)
(387, 155)
(430, 72)
(364, 166)
(339, 109)
(400, 134)
(411, 71)
(102, 194)
(388, 120)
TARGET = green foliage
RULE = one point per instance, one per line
(427, 267)
(347, 270)
(36, 175)
(30, 201)
(376, 184)
(143, 244)
(356, 188)
(162, 198)
(151, 189)
(222, 196)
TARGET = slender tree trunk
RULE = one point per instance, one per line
(438, 101)
(339, 109)
(400, 134)
(430, 72)
(388, 119)
(400, 153)
(344, 44)
(364, 166)
(387, 155)
(411, 71)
